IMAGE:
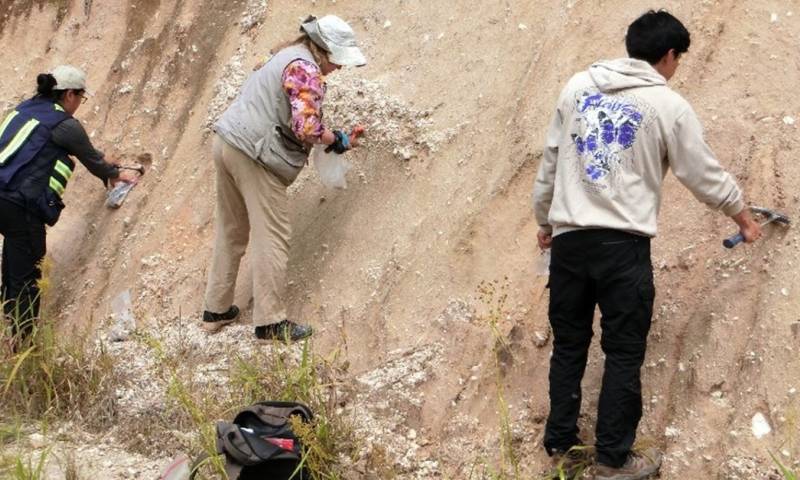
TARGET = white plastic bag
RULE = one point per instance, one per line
(179, 469)
(332, 168)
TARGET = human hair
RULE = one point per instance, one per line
(654, 34)
(317, 52)
(45, 87)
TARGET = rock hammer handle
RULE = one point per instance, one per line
(733, 241)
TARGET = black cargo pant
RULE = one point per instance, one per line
(23, 249)
(611, 269)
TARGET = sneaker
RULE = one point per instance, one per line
(213, 322)
(570, 464)
(639, 465)
(284, 330)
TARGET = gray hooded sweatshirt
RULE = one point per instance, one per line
(617, 129)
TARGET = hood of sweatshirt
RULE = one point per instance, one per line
(624, 73)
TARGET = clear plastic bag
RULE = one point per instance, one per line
(332, 168)
(124, 321)
(542, 265)
(116, 195)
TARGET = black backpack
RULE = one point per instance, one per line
(260, 443)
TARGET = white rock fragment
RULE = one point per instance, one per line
(785, 292)
(37, 440)
(387, 24)
(760, 426)
(788, 120)
(522, 26)
(773, 18)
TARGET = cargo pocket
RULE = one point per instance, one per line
(283, 158)
(295, 160)
(48, 207)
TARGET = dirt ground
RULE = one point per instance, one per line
(456, 99)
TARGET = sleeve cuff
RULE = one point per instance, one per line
(734, 209)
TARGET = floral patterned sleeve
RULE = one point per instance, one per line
(304, 84)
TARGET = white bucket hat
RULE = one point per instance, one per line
(336, 37)
(69, 78)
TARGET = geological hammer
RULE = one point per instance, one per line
(770, 215)
(136, 168)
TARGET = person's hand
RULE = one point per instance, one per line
(751, 231)
(357, 131)
(545, 239)
(124, 176)
(749, 228)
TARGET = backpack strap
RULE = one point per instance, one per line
(279, 412)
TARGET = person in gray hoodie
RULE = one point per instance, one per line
(617, 130)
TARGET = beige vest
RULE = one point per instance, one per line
(258, 122)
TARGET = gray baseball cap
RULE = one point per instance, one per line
(336, 37)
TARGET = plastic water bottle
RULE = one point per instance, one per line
(116, 195)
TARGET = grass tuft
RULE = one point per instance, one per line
(271, 373)
(43, 378)
(494, 296)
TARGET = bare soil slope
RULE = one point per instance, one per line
(457, 97)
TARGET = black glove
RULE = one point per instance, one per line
(342, 143)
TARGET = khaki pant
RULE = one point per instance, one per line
(251, 202)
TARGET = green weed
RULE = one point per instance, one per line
(18, 468)
(45, 376)
(787, 474)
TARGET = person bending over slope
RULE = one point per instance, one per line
(261, 144)
(37, 140)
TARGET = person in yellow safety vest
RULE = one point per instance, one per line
(36, 141)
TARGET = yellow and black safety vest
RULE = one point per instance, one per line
(34, 171)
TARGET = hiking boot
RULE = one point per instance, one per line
(213, 322)
(639, 465)
(570, 464)
(284, 330)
